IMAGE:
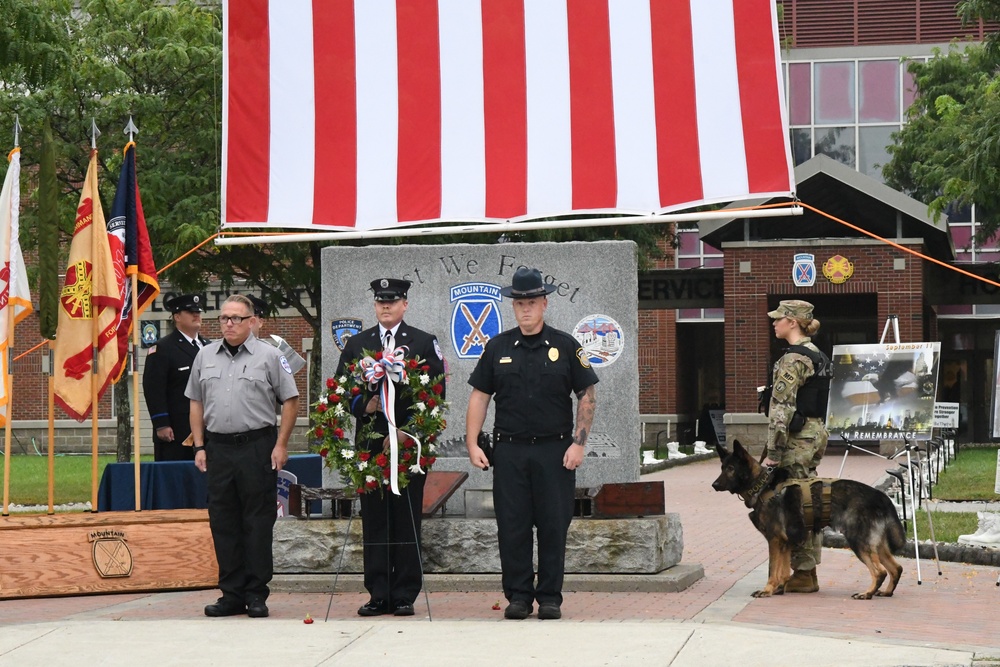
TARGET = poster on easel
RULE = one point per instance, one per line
(883, 391)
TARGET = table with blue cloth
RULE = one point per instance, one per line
(171, 485)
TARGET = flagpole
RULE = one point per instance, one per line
(131, 130)
(135, 387)
(94, 341)
(8, 381)
(52, 427)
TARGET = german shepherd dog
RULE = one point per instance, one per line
(784, 514)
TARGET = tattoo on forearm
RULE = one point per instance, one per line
(585, 415)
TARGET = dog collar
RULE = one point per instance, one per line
(753, 493)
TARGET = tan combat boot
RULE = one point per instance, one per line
(802, 581)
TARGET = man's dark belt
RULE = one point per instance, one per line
(530, 440)
(238, 438)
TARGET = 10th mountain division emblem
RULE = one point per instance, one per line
(112, 557)
(475, 318)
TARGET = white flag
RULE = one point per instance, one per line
(15, 299)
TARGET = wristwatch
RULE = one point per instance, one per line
(198, 448)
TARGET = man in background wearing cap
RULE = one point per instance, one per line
(532, 371)
(390, 524)
(168, 366)
(260, 310)
(796, 432)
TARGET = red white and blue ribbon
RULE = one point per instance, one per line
(383, 374)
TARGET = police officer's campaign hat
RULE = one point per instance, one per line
(188, 302)
(259, 305)
(798, 310)
(390, 289)
(527, 283)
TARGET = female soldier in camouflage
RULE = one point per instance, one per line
(796, 433)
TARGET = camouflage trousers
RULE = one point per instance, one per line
(805, 451)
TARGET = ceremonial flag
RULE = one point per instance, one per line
(15, 299)
(90, 290)
(131, 254)
(351, 114)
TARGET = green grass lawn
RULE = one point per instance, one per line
(970, 476)
(29, 478)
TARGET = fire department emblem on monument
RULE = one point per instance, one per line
(112, 557)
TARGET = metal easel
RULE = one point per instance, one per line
(908, 485)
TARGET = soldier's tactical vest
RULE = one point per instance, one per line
(812, 396)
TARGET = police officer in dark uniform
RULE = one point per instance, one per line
(390, 523)
(168, 366)
(532, 371)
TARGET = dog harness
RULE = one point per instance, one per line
(816, 499)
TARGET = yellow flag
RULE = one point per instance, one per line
(90, 290)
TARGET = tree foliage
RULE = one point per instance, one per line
(948, 153)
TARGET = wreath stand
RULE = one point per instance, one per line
(388, 546)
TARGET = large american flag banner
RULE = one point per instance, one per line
(369, 114)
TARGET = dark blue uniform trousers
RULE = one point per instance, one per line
(531, 488)
(391, 536)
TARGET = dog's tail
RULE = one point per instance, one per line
(895, 534)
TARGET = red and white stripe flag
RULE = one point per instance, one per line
(374, 113)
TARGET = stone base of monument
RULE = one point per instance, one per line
(463, 546)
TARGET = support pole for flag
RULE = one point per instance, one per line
(52, 427)
(135, 386)
(95, 342)
(9, 385)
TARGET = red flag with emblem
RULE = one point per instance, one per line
(89, 291)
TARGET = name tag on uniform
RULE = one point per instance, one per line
(184, 368)
(505, 360)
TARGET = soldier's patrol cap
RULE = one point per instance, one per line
(390, 289)
(799, 310)
(259, 305)
(188, 302)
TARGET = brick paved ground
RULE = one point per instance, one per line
(954, 610)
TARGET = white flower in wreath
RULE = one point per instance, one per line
(435, 412)
(424, 379)
(322, 400)
(419, 406)
(362, 465)
(340, 389)
(369, 479)
(348, 454)
(342, 379)
(339, 410)
(431, 447)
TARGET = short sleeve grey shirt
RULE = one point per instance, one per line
(239, 392)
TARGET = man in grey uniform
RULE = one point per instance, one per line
(234, 385)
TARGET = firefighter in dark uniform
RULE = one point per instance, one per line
(260, 310)
(532, 371)
(390, 524)
(168, 365)
(235, 384)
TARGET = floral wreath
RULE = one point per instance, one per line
(333, 423)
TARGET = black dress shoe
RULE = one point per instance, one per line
(403, 609)
(549, 610)
(517, 610)
(224, 607)
(374, 608)
(257, 609)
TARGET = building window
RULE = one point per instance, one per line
(693, 254)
